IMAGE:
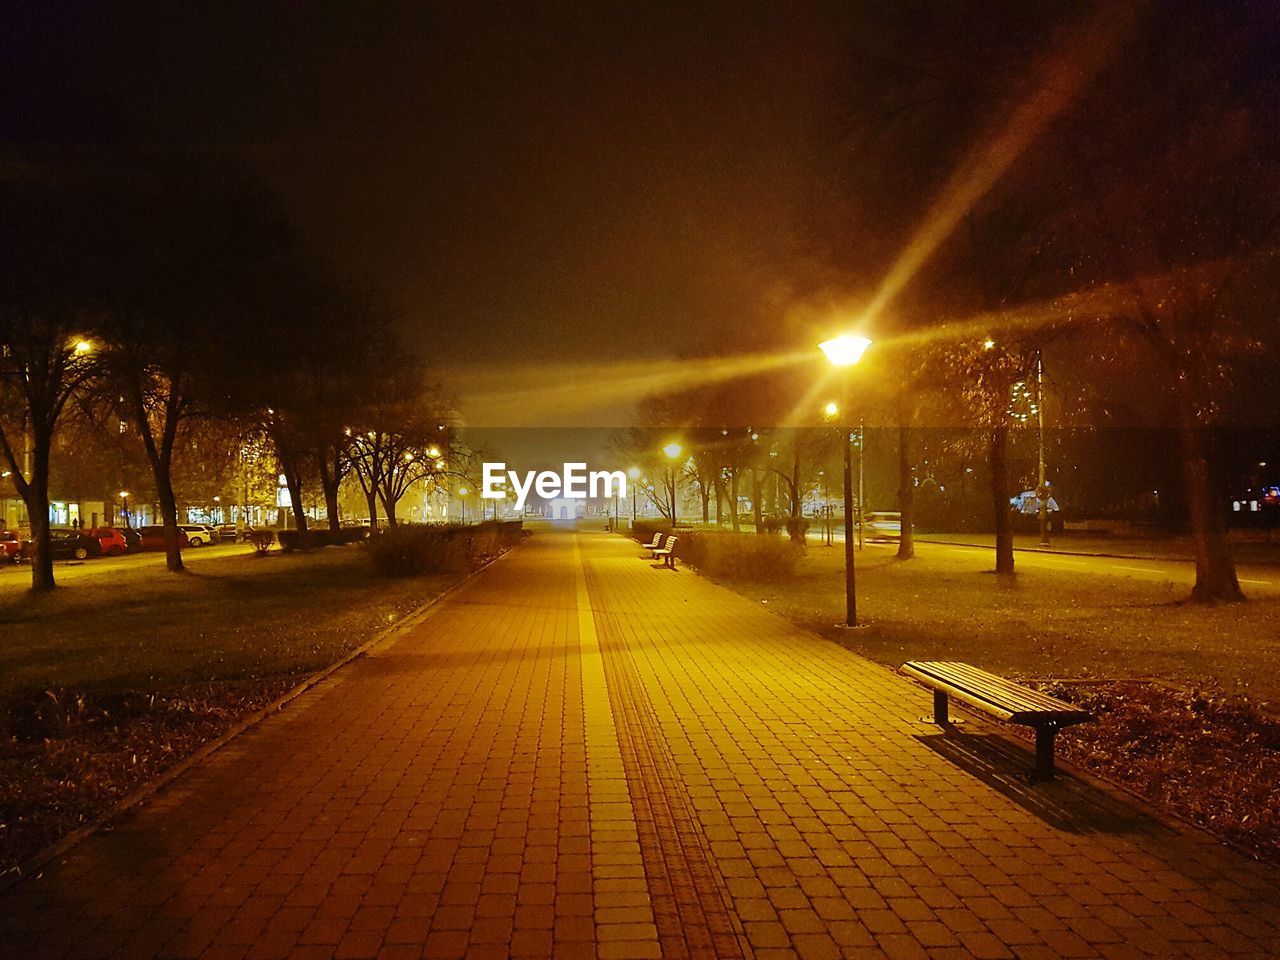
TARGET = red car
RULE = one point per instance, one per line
(10, 546)
(153, 537)
(111, 540)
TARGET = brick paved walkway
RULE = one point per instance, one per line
(581, 755)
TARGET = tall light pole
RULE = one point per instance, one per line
(843, 352)
(673, 451)
(634, 474)
(1042, 486)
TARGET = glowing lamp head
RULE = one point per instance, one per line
(433, 453)
(81, 347)
(672, 450)
(124, 494)
(988, 344)
(831, 410)
(463, 491)
(634, 473)
(845, 350)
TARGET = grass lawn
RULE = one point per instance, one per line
(231, 618)
(1044, 624)
(118, 675)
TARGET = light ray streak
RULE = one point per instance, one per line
(1062, 76)
(514, 395)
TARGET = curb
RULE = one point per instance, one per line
(384, 638)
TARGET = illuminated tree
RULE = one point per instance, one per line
(47, 351)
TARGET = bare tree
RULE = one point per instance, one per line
(47, 352)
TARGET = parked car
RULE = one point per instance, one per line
(152, 537)
(10, 546)
(883, 525)
(198, 534)
(111, 541)
(227, 532)
(67, 544)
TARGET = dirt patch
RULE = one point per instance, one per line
(1208, 757)
(65, 757)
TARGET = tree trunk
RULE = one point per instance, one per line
(1000, 499)
(371, 498)
(733, 502)
(718, 487)
(36, 498)
(329, 482)
(705, 492)
(755, 500)
(389, 508)
(1215, 569)
(906, 493)
(160, 467)
(293, 481)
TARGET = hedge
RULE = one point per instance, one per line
(729, 556)
(324, 537)
(412, 550)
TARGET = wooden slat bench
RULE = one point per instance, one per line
(667, 553)
(1000, 698)
(653, 544)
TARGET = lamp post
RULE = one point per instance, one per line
(843, 352)
(1042, 486)
(634, 474)
(124, 507)
(673, 450)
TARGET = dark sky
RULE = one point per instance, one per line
(529, 184)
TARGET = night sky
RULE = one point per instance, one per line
(590, 183)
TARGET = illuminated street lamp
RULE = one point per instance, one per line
(124, 507)
(673, 451)
(844, 351)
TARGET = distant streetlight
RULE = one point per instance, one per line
(634, 474)
(673, 451)
(124, 507)
(82, 347)
(831, 410)
(988, 344)
(843, 352)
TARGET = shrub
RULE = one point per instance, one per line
(323, 537)
(413, 550)
(729, 556)
(745, 556)
(262, 540)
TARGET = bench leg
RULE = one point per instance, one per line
(1044, 751)
(940, 708)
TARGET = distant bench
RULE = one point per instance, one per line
(660, 551)
(1000, 698)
